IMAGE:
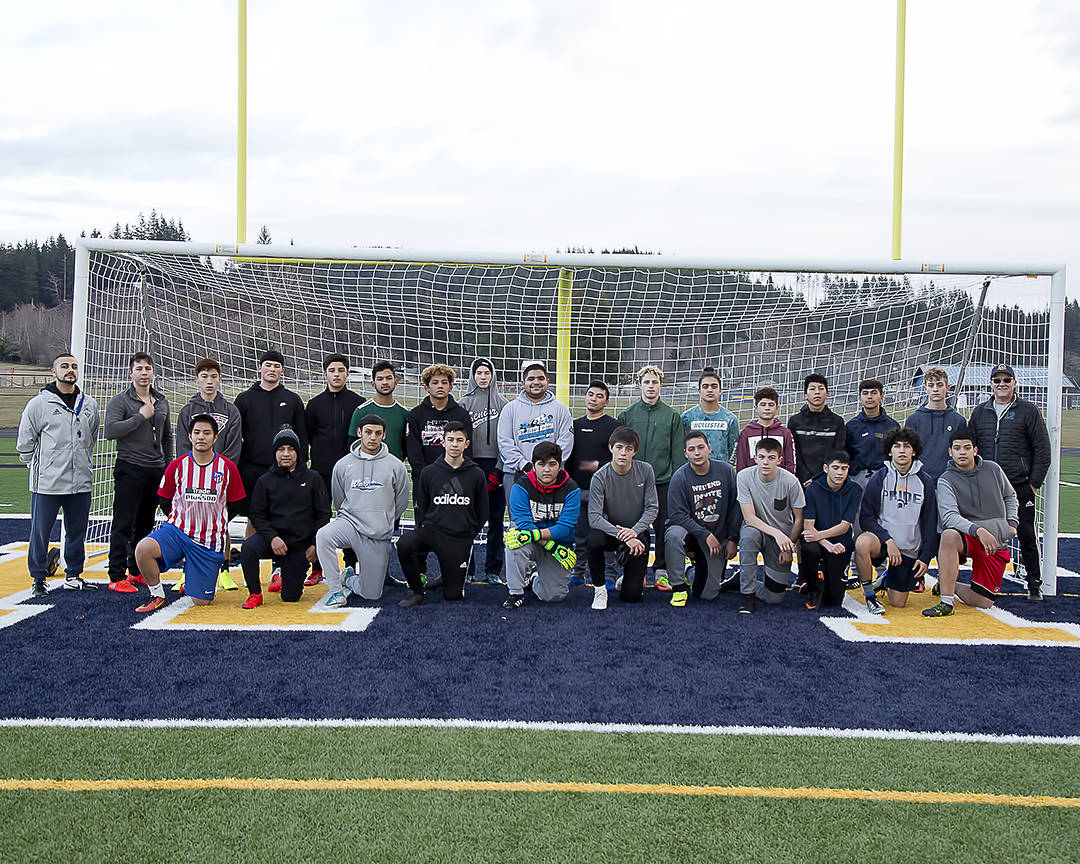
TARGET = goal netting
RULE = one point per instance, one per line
(588, 316)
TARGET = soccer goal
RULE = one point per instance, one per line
(759, 322)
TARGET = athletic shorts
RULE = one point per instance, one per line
(987, 571)
(201, 565)
(898, 578)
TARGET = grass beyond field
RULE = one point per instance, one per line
(754, 798)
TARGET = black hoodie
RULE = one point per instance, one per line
(328, 416)
(423, 439)
(452, 501)
(262, 413)
(292, 505)
(817, 434)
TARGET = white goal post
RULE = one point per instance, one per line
(758, 321)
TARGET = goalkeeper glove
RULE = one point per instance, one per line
(517, 539)
(566, 557)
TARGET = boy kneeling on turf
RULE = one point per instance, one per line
(200, 491)
(703, 521)
(370, 488)
(899, 521)
(544, 506)
(832, 506)
(772, 504)
(622, 508)
(979, 512)
(288, 505)
(451, 508)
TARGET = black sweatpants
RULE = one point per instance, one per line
(814, 560)
(633, 583)
(1026, 536)
(453, 554)
(293, 564)
(135, 498)
(348, 554)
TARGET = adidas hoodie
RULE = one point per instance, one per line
(452, 501)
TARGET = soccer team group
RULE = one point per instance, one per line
(587, 497)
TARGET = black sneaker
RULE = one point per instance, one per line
(52, 561)
(813, 597)
(746, 605)
(730, 583)
(514, 601)
(941, 610)
(39, 589)
(414, 599)
(1035, 592)
(433, 582)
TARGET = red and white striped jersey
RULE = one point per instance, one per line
(199, 494)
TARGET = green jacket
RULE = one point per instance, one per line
(662, 436)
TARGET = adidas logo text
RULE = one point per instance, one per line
(452, 499)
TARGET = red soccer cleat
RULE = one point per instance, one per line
(136, 579)
(252, 601)
(314, 578)
(123, 587)
(275, 580)
(152, 605)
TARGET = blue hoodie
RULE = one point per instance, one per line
(829, 508)
(934, 427)
(864, 437)
(903, 508)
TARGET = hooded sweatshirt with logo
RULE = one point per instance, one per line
(453, 501)
(523, 424)
(228, 420)
(424, 438)
(484, 406)
(754, 432)
(903, 508)
(371, 491)
(56, 440)
(292, 505)
(934, 426)
(980, 498)
(554, 507)
(262, 414)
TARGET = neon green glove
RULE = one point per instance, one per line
(517, 539)
(564, 555)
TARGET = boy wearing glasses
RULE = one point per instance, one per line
(1011, 431)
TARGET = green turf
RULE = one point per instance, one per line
(442, 826)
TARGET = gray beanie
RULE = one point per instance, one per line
(286, 435)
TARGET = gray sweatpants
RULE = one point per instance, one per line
(372, 557)
(751, 543)
(676, 538)
(551, 581)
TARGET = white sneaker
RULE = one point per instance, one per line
(599, 598)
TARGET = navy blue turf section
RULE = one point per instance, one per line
(646, 663)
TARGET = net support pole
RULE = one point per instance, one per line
(562, 335)
(1051, 488)
(898, 128)
(80, 305)
(241, 122)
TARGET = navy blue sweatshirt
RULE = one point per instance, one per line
(864, 437)
(829, 507)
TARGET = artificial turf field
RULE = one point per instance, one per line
(644, 734)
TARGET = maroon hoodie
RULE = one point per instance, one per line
(752, 432)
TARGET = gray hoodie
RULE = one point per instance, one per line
(57, 442)
(370, 491)
(980, 498)
(485, 407)
(228, 420)
(523, 424)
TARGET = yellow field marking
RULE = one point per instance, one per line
(967, 623)
(376, 784)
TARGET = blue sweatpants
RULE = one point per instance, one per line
(43, 512)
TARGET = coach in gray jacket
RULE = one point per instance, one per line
(57, 433)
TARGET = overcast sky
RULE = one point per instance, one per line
(728, 129)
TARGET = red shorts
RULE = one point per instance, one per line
(986, 570)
